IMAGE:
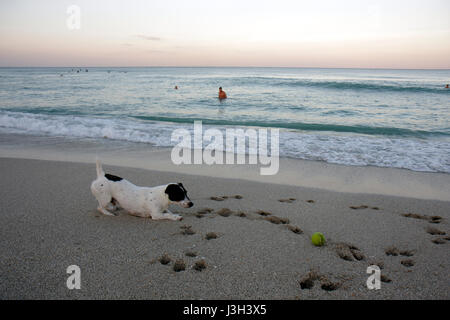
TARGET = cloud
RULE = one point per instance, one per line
(149, 38)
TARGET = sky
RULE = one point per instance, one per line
(412, 34)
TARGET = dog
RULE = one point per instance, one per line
(114, 192)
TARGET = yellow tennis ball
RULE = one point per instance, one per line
(318, 239)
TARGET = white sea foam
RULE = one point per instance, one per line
(349, 149)
(85, 127)
(363, 150)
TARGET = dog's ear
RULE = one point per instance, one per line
(182, 187)
(175, 192)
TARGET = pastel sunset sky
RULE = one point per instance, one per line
(326, 33)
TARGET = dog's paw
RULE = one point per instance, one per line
(105, 212)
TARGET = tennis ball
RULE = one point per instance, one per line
(318, 239)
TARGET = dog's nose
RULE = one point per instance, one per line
(190, 204)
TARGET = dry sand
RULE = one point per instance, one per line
(48, 221)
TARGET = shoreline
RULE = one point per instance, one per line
(56, 224)
(294, 172)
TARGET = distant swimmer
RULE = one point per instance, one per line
(447, 87)
(222, 94)
(176, 88)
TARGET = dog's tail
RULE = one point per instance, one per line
(100, 172)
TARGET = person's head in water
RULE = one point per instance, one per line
(447, 87)
(222, 94)
(176, 87)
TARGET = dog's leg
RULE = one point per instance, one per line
(169, 216)
(105, 212)
(103, 197)
(172, 216)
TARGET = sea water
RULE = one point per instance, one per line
(386, 118)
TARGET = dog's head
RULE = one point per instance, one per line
(177, 193)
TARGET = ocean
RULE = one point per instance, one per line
(362, 117)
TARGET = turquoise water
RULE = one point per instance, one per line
(389, 118)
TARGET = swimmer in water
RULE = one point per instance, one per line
(222, 94)
(176, 87)
(447, 87)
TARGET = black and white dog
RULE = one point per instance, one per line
(113, 192)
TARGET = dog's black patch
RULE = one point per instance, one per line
(175, 192)
(112, 177)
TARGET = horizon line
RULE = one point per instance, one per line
(280, 67)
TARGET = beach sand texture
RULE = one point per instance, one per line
(241, 240)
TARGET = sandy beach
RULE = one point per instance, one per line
(258, 249)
